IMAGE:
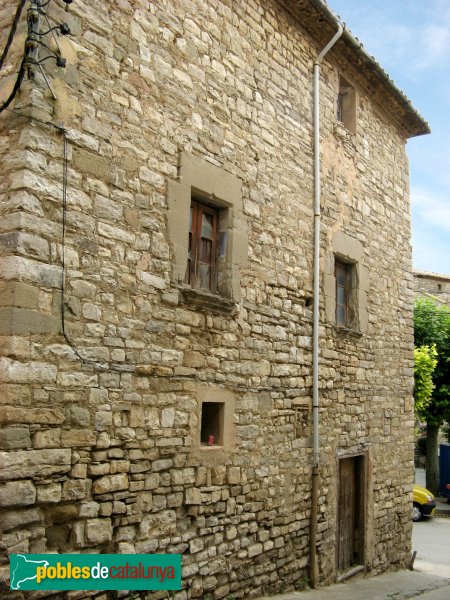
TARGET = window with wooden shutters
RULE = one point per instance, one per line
(201, 272)
(208, 235)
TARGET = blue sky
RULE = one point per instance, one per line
(411, 41)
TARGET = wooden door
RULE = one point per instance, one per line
(349, 513)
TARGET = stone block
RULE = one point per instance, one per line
(12, 414)
(78, 438)
(167, 417)
(77, 489)
(90, 162)
(119, 508)
(21, 321)
(30, 372)
(49, 438)
(103, 420)
(79, 471)
(110, 483)
(193, 496)
(160, 524)
(20, 518)
(33, 463)
(153, 280)
(254, 550)
(14, 437)
(193, 359)
(89, 509)
(98, 531)
(196, 545)
(162, 465)
(17, 493)
(50, 493)
(234, 475)
(19, 295)
(64, 513)
(78, 416)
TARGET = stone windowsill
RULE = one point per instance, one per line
(347, 331)
(204, 300)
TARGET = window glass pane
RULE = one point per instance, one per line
(341, 273)
(206, 251)
(340, 315)
(204, 276)
(340, 295)
(339, 107)
(207, 226)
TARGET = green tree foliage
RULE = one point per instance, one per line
(432, 329)
(425, 361)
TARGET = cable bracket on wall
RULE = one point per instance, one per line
(36, 39)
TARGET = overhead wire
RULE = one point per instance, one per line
(16, 88)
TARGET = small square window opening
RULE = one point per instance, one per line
(212, 424)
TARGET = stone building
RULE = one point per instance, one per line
(432, 285)
(156, 294)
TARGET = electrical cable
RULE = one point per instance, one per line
(121, 368)
(18, 83)
(12, 31)
(98, 365)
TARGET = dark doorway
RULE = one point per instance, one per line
(350, 513)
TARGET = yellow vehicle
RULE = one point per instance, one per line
(423, 503)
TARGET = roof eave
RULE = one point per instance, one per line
(315, 15)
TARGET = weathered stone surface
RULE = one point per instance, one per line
(98, 531)
(11, 414)
(14, 437)
(19, 518)
(110, 483)
(50, 438)
(77, 437)
(17, 493)
(32, 372)
(193, 496)
(77, 489)
(50, 493)
(33, 463)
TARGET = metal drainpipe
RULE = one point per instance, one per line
(316, 323)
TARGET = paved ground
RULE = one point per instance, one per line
(430, 579)
(431, 539)
(391, 586)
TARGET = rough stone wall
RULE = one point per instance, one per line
(432, 284)
(100, 428)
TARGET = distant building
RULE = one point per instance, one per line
(433, 285)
